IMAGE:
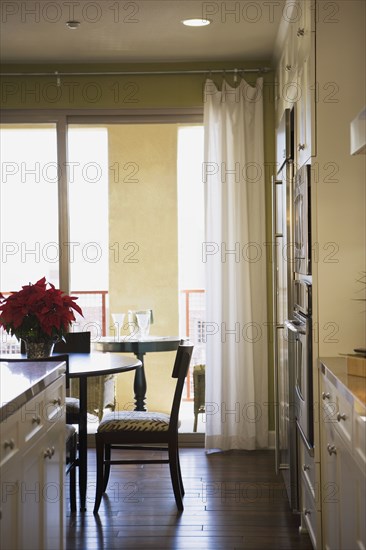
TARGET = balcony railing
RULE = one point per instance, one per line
(194, 310)
(94, 306)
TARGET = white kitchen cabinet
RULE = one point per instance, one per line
(305, 112)
(309, 491)
(32, 472)
(343, 481)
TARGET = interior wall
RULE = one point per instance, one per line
(340, 181)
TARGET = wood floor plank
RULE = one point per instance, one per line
(233, 501)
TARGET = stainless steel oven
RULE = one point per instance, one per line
(300, 326)
(301, 217)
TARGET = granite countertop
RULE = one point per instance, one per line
(337, 369)
(20, 381)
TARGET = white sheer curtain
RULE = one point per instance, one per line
(235, 258)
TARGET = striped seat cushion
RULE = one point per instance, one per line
(134, 421)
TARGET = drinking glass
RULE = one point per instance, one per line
(143, 321)
(118, 319)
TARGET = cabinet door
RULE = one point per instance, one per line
(352, 493)
(9, 505)
(53, 486)
(31, 497)
(330, 490)
(304, 107)
(305, 26)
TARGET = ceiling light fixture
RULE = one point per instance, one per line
(72, 25)
(196, 22)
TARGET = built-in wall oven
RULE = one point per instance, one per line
(300, 328)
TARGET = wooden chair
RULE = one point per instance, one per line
(199, 376)
(141, 430)
(71, 462)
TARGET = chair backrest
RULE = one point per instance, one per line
(76, 342)
(180, 370)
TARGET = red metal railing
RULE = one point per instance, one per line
(194, 311)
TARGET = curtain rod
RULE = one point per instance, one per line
(144, 73)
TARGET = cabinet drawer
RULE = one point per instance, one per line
(9, 437)
(307, 468)
(359, 437)
(344, 419)
(309, 512)
(32, 418)
(336, 411)
(54, 404)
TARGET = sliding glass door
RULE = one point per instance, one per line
(29, 205)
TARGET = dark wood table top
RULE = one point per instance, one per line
(130, 345)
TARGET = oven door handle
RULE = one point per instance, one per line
(295, 326)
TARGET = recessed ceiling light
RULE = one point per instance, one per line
(72, 25)
(196, 22)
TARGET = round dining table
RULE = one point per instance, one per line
(139, 347)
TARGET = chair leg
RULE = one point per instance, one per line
(107, 467)
(180, 475)
(72, 475)
(195, 422)
(100, 469)
(174, 474)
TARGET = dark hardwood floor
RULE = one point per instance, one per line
(233, 501)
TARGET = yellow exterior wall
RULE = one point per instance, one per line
(143, 241)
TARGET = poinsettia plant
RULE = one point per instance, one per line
(38, 312)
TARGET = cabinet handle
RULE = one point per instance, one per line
(36, 420)
(49, 452)
(331, 449)
(300, 31)
(56, 401)
(325, 395)
(301, 147)
(305, 467)
(341, 416)
(9, 444)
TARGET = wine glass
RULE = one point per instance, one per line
(118, 319)
(143, 321)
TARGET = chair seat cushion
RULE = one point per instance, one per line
(69, 432)
(72, 405)
(134, 421)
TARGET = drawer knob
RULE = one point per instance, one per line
(288, 68)
(36, 420)
(331, 449)
(325, 395)
(306, 467)
(307, 512)
(57, 401)
(341, 416)
(9, 444)
(301, 147)
(49, 452)
(300, 31)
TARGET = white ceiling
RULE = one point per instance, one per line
(118, 31)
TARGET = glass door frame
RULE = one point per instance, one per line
(62, 119)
